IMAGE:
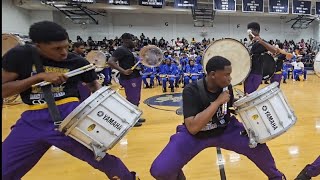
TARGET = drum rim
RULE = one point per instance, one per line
(250, 62)
(96, 51)
(256, 94)
(82, 105)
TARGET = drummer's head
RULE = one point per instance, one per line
(219, 71)
(255, 28)
(127, 40)
(51, 40)
(78, 47)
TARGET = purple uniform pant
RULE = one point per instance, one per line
(313, 169)
(132, 88)
(183, 147)
(276, 78)
(84, 91)
(252, 83)
(34, 134)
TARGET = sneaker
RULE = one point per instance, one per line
(138, 124)
(164, 90)
(172, 89)
(142, 120)
(303, 174)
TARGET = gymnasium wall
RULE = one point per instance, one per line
(317, 31)
(14, 19)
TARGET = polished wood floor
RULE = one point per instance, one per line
(292, 151)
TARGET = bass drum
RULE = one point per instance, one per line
(316, 64)
(269, 66)
(235, 52)
(98, 58)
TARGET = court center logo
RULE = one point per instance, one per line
(166, 102)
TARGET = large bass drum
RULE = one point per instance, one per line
(235, 52)
(316, 64)
(269, 66)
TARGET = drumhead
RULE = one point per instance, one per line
(316, 64)
(269, 66)
(235, 52)
(256, 94)
(10, 41)
(97, 58)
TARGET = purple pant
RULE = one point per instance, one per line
(252, 83)
(34, 134)
(276, 78)
(132, 88)
(84, 91)
(183, 147)
(314, 168)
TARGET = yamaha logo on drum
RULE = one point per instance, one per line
(109, 120)
(270, 118)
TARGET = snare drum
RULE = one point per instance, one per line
(269, 66)
(235, 52)
(101, 121)
(316, 65)
(265, 114)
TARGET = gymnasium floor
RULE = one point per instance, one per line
(292, 151)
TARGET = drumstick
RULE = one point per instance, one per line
(133, 67)
(69, 74)
(225, 105)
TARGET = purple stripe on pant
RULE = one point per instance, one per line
(132, 88)
(34, 134)
(276, 78)
(314, 168)
(252, 83)
(183, 147)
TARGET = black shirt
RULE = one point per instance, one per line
(19, 60)
(279, 62)
(126, 60)
(192, 105)
(256, 58)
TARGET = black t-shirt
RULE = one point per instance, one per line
(126, 60)
(192, 105)
(279, 63)
(256, 58)
(19, 60)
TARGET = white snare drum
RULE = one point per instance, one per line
(101, 121)
(235, 52)
(265, 114)
(316, 65)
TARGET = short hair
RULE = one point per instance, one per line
(280, 45)
(217, 63)
(47, 31)
(127, 36)
(77, 45)
(254, 26)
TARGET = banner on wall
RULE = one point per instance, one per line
(153, 3)
(279, 6)
(84, 1)
(301, 7)
(225, 5)
(318, 8)
(252, 6)
(185, 3)
(119, 2)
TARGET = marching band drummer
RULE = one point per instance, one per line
(205, 125)
(170, 72)
(192, 72)
(34, 133)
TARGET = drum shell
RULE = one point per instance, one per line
(266, 112)
(101, 120)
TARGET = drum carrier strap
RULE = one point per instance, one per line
(48, 96)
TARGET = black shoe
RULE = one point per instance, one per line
(164, 90)
(151, 86)
(303, 174)
(176, 85)
(138, 124)
(285, 82)
(147, 86)
(172, 89)
(142, 120)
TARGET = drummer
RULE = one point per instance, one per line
(79, 49)
(192, 71)
(34, 133)
(258, 47)
(205, 125)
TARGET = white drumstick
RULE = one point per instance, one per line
(225, 105)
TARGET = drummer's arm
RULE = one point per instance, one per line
(113, 64)
(268, 46)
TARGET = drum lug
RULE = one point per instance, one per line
(252, 142)
(98, 153)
